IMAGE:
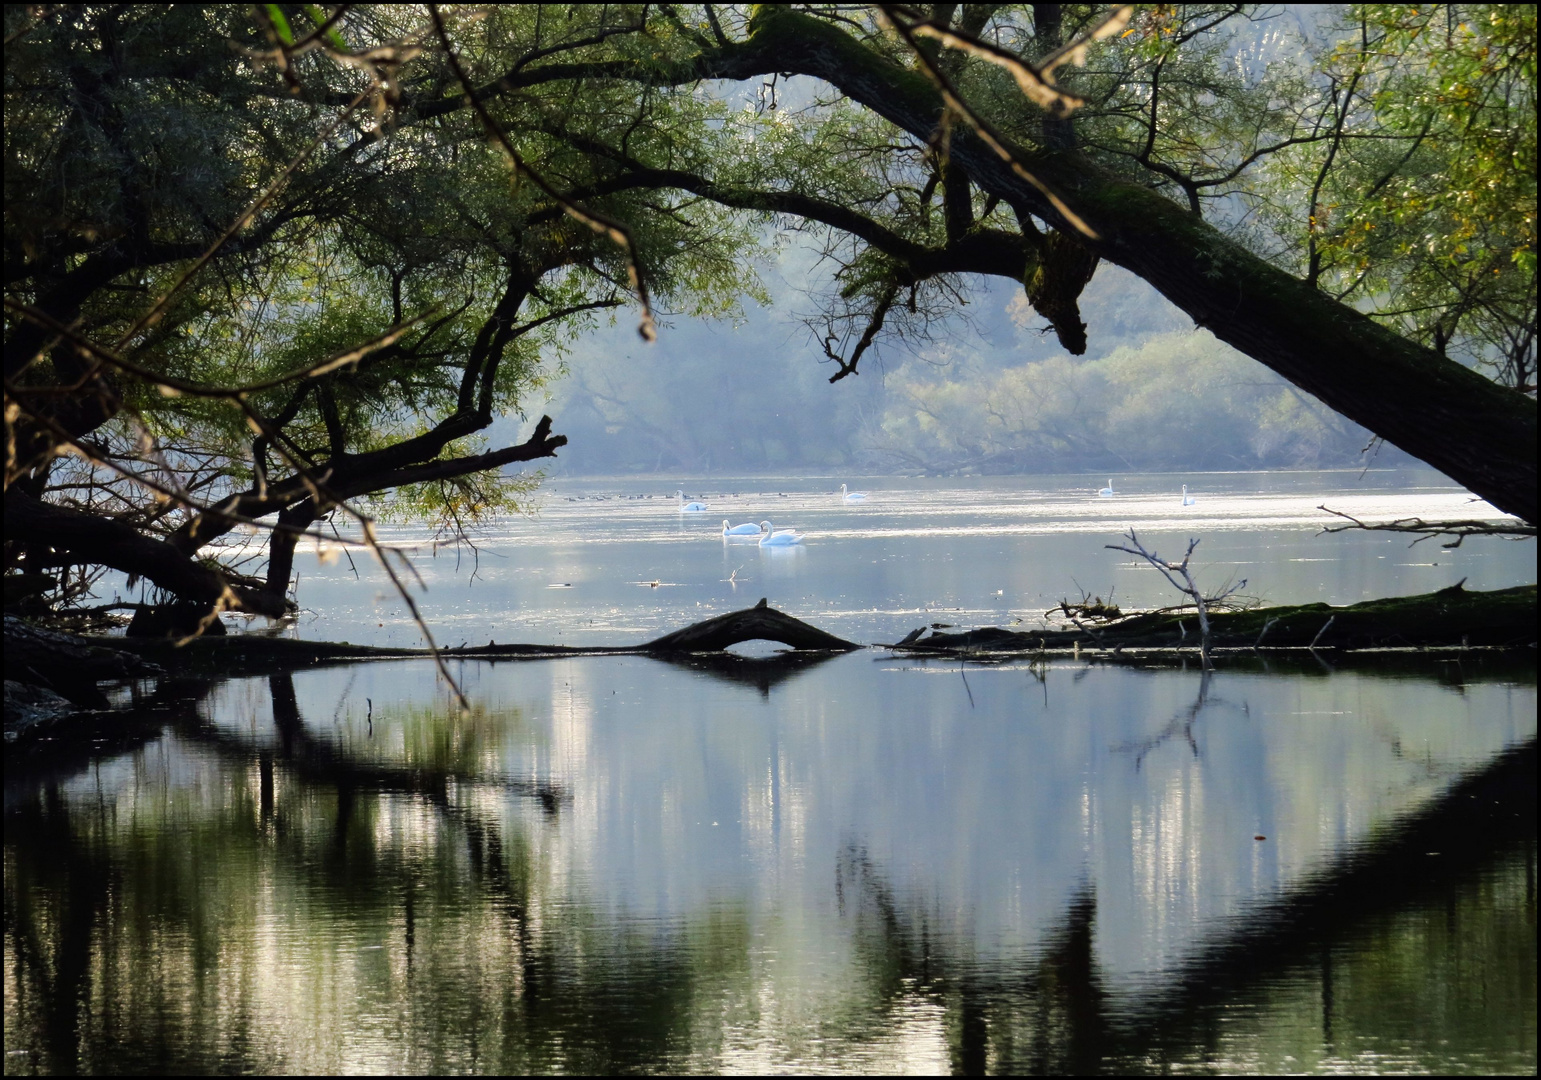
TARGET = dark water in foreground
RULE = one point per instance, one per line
(851, 864)
(865, 864)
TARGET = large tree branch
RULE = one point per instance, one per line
(361, 474)
(540, 444)
(88, 538)
(1477, 432)
(977, 251)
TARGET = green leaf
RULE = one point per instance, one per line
(280, 23)
(319, 17)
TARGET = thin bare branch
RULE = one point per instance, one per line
(1512, 528)
(1074, 52)
(1036, 82)
(848, 367)
(1181, 579)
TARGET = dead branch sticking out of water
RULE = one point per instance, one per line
(1173, 571)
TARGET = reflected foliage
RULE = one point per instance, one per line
(385, 893)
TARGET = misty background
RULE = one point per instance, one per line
(991, 393)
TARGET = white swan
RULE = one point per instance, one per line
(1108, 492)
(689, 507)
(1188, 500)
(770, 538)
(851, 496)
(749, 528)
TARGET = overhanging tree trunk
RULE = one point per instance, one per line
(292, 521)
(1479, 433)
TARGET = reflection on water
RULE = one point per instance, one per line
(862, 864)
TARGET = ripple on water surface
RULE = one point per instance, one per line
(859, 863)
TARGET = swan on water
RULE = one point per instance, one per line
(1108, 492)
(770, 538)
(689, 507)
(1188, 500)
(749, 528)
(851, 496)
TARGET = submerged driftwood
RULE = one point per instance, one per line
(251, 654)
(759, 623)
(1450, 618)
(43, 664)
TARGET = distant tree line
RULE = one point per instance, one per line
(745, 402)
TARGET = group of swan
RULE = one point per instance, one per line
(769, 537)
(1108, 493)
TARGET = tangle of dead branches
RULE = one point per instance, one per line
(1181, 579)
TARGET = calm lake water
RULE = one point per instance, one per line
(857, 864)
(614, 562)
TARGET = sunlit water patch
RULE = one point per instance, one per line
(616, 562)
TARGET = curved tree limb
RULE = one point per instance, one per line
(123, 547)
(1479, 433)
(1475, 431)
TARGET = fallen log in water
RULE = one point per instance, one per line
(760, 622)
(1450, 618)
(68, 665)
(253, 654)
(38, 657)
